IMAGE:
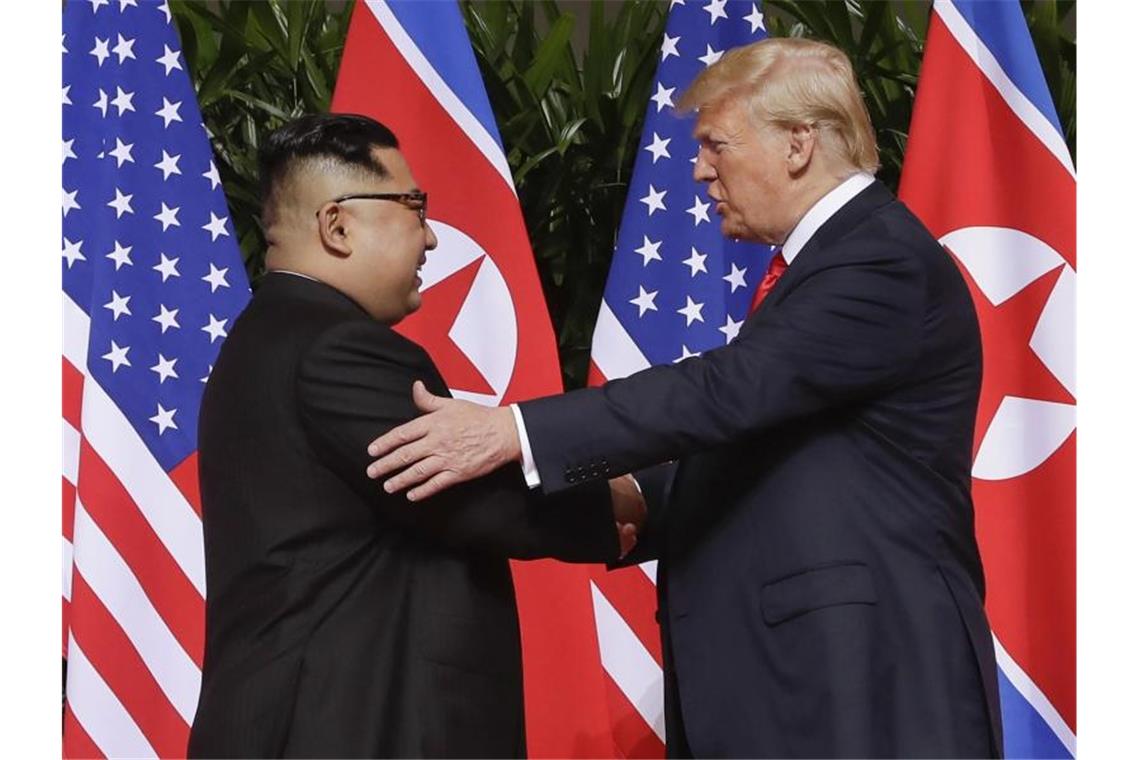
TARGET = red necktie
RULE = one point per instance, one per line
(776, 268)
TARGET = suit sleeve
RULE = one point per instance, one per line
(355, 383)
(843, 334)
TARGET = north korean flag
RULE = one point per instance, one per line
(484, 319)
(988, 171)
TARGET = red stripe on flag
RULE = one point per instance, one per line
(169, 590)
(632, 735)
(562, 670)
(77, 745)
(72, 393)
(72, 404)
(634, 597)
(121, 667)
(185, 478)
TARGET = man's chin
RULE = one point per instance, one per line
(732, 228)
(411, 307)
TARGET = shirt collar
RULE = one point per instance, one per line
(821, 211)
(295, 274)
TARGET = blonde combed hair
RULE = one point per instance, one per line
(789, 81)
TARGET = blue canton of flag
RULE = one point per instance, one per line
(677, 286)
(148, 251)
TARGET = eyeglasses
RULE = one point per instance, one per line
(416, 201)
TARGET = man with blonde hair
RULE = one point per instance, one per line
(820, 586)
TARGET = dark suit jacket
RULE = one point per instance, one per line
(342, 621)
(820, 586)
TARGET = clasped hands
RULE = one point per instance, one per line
(456, 441)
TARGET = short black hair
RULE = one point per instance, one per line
(343, 137)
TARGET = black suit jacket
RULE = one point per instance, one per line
(820, 586)
(342, 621)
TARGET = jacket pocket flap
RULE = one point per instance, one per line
(815, 588)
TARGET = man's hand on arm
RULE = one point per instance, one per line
(453, 442)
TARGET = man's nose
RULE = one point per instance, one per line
(430, 242)
(703, 170)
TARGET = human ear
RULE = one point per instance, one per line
(801, 146)
(331, 226)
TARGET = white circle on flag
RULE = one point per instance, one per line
(486, 328)
(1003, 261)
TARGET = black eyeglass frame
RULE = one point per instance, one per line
(404, 199)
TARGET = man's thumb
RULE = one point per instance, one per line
(425, 400)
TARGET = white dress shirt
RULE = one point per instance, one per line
(808, 225)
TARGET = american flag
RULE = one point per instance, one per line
(152, 281)
(676, 287)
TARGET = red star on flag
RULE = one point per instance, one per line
(1009, 366)
(431, 324)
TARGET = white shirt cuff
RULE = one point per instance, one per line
(530, 470)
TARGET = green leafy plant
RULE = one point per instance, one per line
(255, 65)
(570, 120)
(570, 112)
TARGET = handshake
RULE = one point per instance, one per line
(629, 511)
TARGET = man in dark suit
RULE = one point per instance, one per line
(820, 587)
(341, 621)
